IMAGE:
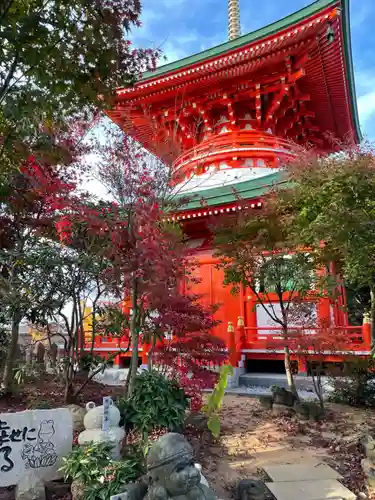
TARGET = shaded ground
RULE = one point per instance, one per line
(252, 437)
(49, 392)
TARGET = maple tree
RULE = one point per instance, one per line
(60, 60)
(145, 256)
(192, 353)
(261, 252)
(332, 201)
(28, 211)
(312, 344)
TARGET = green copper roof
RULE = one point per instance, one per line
(349, 67)
(231, 193)
(268, 30)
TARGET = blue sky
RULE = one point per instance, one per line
(184, 27)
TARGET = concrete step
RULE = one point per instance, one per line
(269, 379)
(310, 490)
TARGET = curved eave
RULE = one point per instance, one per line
(237, 43)
(350, 69)
(232, 193)
(337, 115)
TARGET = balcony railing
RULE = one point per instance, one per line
(229, 146)
(315, 340)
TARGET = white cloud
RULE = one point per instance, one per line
(366, 106)
(172, 53)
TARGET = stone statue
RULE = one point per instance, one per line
(93, 423)
(172, 472)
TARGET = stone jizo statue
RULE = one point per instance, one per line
(172, 471)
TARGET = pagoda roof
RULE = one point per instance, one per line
(254, 36)
(325, 90)
(232, 193)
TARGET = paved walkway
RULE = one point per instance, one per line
(310, 481)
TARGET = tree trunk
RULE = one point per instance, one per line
(372, 313)
(288, 371)
(7, 383)
(134, 332)
(69, 375)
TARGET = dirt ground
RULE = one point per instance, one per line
(48, 392)
(252, 437)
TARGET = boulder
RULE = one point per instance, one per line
(252, 489)
(278, 409)
(282, 396)
(197, 420)
(266, 402)
(301, 410)
(78, 414)
(77, 490)
(369, 471)
(315, 411)
(30, 488)
(369, 447)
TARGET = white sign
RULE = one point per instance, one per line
(302, 318)
(34, 440)
(107, 402)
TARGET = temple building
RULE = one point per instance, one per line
(225, 118)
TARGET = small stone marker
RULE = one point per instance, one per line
(34, 441)
(300, 472)
(107, 403)
(310, 490)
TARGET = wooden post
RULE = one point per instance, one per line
(302, 365)
(232, 344)
(241, 337)
(366, 331)
(145, 351)
(116, 361)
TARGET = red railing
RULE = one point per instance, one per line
(330, 340)
(230, 145)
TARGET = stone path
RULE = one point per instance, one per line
(314, 481)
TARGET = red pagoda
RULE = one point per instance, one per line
(224, 120)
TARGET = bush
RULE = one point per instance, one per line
(156, 403)
(85, 463)
(100, 475)
(355, 385)
(90, 362)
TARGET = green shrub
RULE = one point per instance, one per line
(25, 373)
(156, 403)
(113, 478)
(90, 362)
(102, 476)
(355, 385)
(85, 463)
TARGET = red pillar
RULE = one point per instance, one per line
(145, 351)
(232, 345)
(302, 365)
(116, 361)
(241, 337)
(366, 331)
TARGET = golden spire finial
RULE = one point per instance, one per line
(234, 26)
